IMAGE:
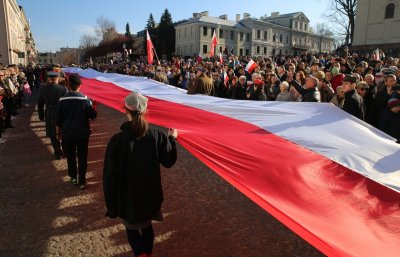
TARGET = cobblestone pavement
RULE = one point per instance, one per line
(43, 215)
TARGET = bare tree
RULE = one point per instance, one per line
(343, 12)
(323, 30)
(106, 29)
(88, 41)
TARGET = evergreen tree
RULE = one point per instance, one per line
(151, 28)
(166, 35)
(128, 33)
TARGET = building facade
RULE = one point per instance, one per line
(377, 25)
(17, 43)
(47, 58)
(268, 36)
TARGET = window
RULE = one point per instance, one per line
(295, 24)
(274, 37)
(265, 35)
(247, 37)
(231, 35)
(205, 49)
(258, 50)
(301, 26)
(221, 33)
(185, 31)
(241, 51)
(305, 27)
(287, 39)
(258, 34)
(389, 12)
(273, 51)
(241, 36)
(212, 32)
(220, 49)
(191, 31)
(205, 30)
(281, 38)
(247, 52)
(265, 50)
(286, 51)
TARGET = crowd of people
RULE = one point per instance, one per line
(16, 86)
(367, 87)
(364, 85)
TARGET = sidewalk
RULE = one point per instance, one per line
(43, 215)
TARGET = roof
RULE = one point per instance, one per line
(214, 20)
(287, 15)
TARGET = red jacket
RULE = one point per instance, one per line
(337, 81)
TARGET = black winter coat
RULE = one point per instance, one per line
(131, 174)
(354, 104)
(390, 124)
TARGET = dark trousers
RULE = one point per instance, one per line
(141, 240)
(55, 143)
(73, 149)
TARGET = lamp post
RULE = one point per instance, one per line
(124, 54)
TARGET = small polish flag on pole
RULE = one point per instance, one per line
(251, 66)
(214, 43)
(226, 79)
(221, 60)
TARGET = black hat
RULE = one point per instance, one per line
(53, 74)
(350, 78)
(75, 79)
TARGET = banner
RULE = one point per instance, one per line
(331, 178)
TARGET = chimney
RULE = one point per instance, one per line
(205, 13)
(275, 15)
(223, 17)
(246, 15)
(237, 17)
(196, 15)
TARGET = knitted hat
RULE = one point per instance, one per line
(136, 102)
(393, 102)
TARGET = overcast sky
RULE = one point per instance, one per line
(61, 23)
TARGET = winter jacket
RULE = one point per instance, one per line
(131, 174)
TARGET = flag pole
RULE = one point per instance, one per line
(156, 54)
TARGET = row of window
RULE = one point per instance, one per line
(299, 26)
(275, 37)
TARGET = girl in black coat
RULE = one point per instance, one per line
(131, 174)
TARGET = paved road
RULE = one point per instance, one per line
(43, 215)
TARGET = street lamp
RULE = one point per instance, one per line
(124, 54)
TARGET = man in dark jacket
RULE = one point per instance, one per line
(49, 96)
(73, 113)
(390, 122)
(311, 92)
(353, 102)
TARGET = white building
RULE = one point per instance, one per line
(17, 44)
(277, 34)
(377, 25)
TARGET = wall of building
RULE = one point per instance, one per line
(372, 28)
(249, 37)
(17, 43)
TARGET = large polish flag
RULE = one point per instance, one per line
(331, 178)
